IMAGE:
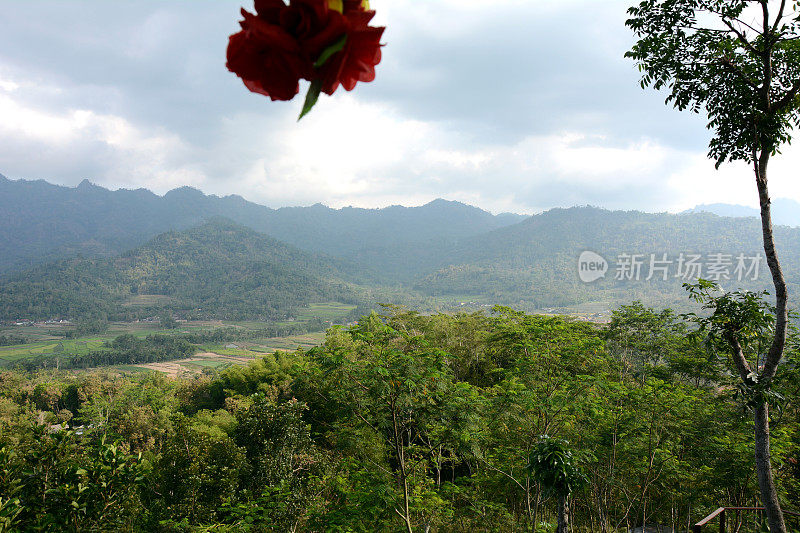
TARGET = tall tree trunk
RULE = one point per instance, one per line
(769, 494)
(563, 513)
(399, 448)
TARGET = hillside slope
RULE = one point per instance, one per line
(218, 270)
(534, 264)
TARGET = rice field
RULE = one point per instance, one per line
(331, 311)
(9, 354)
(48, 340)
(261, 347)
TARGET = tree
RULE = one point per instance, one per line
(549, 369)
(746, 77)
(282, 464)
(197, 472)
(167, 321)
(554, 466)
(398, 395)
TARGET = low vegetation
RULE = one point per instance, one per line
(403, 422)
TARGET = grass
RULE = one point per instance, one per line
(210, 363)
(308, 340)
(10, 354)
(259, 347)
(48, 341)
(231, 352)
(325, 311)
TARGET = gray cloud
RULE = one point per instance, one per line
(491, 81)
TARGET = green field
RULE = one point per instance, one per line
(330, 311)
(216, 365)
(140, 329)
(49, 341)
(9, 354)
(260, 347)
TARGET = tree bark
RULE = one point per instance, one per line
(781, 294)
(563, 514)
(400, 452)
(769, 494)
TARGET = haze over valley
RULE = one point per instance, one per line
(71, 253)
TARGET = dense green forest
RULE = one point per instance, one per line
(403, 422)
(218, 270)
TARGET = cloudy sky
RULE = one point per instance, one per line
(511, 105)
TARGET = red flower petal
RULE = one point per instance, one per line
(357, 61)
(267, 58)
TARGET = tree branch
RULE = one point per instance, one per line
(743, 23)
(739, 359)
(739, 72)
(779, 17)
(494, 469)
(784, 102)
(741, 36)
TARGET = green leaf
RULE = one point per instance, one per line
(326, 54)
(311, 98)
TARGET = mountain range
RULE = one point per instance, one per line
(70, 252)
(785, 212)
(45, 221)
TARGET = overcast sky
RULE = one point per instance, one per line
(511, 105)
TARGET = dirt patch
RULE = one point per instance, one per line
(184, 367)
(218, 357)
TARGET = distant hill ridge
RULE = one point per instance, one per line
(46, 221)
(785, 212)
(533, 264)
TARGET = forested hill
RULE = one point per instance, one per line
(439, 255)
(218, 270)
(534, 264)
(43, 222)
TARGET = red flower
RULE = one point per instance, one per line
(278, 46)
(328, 42)
(362, 51)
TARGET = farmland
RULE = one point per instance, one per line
(220, 357)
(52, 341)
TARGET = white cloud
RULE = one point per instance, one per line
(129, 156)
(527, 117)
(30, 122)
(698, 182)
(8, 85)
